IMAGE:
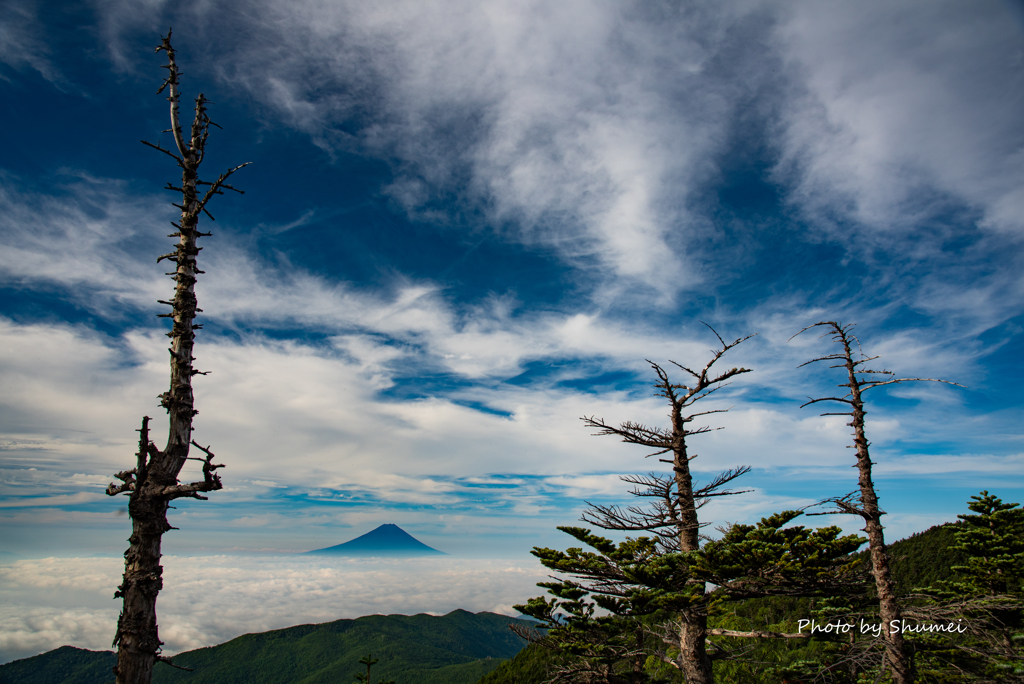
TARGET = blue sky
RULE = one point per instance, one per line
(466, 226)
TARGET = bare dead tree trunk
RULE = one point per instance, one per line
(864, 503)
(153, 483)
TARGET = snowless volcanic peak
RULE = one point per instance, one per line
(386, 540)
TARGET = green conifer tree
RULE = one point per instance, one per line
(369, 661)
(986, 601)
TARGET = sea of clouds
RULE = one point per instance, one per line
(50, 602)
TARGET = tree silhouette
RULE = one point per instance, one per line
(864, 501)
(153, 483)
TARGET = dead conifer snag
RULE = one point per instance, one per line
(153, 483)
(864, 502)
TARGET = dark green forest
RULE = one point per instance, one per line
(960, 586)
(458, 648)
(919, 561)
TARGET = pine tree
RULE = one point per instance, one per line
(993, 540)
(986, 601)
(369, 661)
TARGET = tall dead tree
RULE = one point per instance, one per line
(656, 591)
(864, 502)
(153, 483)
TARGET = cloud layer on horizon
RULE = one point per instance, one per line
(210, 600)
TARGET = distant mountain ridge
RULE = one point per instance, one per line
(386, 540)
(457, 648)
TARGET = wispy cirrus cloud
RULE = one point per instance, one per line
(904, 113)
(581, 127)
(22, 43)
(593, 130)
(268, 399)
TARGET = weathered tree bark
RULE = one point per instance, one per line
(693, 636)
(864, 503)
(153, 483)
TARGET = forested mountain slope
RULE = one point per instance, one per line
(925, 558)
(457, 648)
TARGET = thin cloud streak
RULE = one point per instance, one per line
(534, 111)
(322, 408)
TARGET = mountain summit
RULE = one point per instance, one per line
(386, 540)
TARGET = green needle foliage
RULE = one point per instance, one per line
(926, 558)
(994, 543)
(641, 589)
(986, 601)
(977, 604)
(769, 559)
(369, 661)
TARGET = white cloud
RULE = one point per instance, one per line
(96, 245)
(56, 500)
(116, 18)
(578, 129)
(590, 128)
(293, 414)
(587, 128)
(905, 110)
(578, 126)
(977, 464)
(86, 240)
(590, 486)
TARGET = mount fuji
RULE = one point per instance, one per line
(386, 540)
